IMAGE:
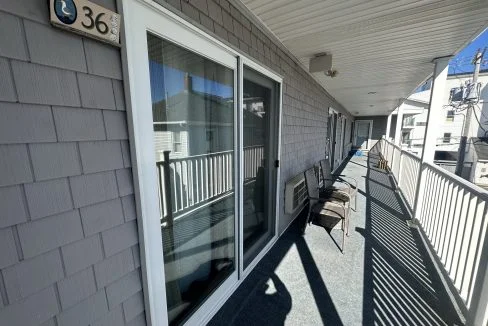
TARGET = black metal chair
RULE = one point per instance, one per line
(328, 212)
(338, 183)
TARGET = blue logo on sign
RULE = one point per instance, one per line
(65, 10)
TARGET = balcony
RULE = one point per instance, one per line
(408, 123)
(394, 271)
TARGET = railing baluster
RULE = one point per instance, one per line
(479, 247)
(463, 248)
(472, 239)
(438, 210)
(459, 234)
(445, 218)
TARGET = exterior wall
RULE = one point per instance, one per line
(305, 103)
(379, 127)
(68, 228)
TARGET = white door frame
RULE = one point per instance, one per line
(141, 16)
(356, 123)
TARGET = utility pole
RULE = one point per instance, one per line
(478, 57)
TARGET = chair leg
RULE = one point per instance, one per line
(343, 235)
(308, 218)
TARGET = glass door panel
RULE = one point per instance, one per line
(260, 109)
(193, 119)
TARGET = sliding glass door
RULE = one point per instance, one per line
(205, 124)
(193, 105)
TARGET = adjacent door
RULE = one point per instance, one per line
(363, 133)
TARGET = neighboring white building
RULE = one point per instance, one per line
(414, 116)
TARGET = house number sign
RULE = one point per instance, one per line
(86, 18)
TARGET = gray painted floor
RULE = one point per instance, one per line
(385, 276)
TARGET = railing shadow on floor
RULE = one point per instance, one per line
(401, 283)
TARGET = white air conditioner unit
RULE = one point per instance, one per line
(295, 193)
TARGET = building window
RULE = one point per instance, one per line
(450, 116)
(406, 138)
(447, 138)
(177, 142)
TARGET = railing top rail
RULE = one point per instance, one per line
(178, 159)
(411, 155)
(449, 175)
(253, 146)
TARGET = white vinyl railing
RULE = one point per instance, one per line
(409, 168)
(455, 224)
(199, 179)
(452, 213)
(405, 168)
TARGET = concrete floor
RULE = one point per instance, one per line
(385, 276)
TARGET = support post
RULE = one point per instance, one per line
(434, 114)
(399, 126)
(388, 127)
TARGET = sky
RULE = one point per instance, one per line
(169, 81)
(462, 61)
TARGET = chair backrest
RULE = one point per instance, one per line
(326, 173)
(311, 182)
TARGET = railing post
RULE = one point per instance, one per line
(167, 187)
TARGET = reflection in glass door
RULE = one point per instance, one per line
(193, 121)
(260, 112)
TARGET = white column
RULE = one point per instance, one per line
(388, 126)
(434, 115)
(437, 94)
(399, 125)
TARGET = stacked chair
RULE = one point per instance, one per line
(329, 205)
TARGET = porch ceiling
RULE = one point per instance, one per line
(380, 46)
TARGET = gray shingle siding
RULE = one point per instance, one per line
(68, 241)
